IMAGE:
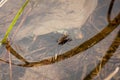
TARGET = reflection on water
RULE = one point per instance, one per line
(72, 63)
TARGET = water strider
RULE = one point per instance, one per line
(64, 39)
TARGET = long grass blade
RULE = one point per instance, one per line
(14, 22)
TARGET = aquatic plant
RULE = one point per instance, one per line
(17, 16)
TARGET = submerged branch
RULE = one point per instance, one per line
(14, 53)
(105, 59)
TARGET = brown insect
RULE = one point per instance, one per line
(63, 39)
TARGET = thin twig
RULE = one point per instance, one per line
(109, 77)
(10, 63)
(2, 2)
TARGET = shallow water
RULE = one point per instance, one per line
(37, 46)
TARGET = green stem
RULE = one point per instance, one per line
(14, 22)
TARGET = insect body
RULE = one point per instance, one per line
(63, 40)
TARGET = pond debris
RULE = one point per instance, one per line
(109, 77)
